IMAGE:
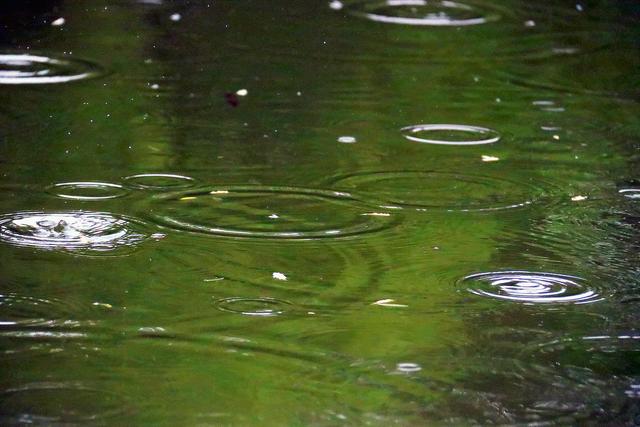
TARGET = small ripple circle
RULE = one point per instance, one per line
(87, 190)
(159, 181)
(262, 307)
(450, 134)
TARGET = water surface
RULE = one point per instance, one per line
(303, 212)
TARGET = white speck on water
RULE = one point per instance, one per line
(274, 216)
(175, 17)
(347, 139)
(490, 158)
(299, 93)
(556, 137)
(388, 302)
(376, 214)
(214, 279)
(578, 198)
(58, 22)
(530, 23)
(498, 100)
(579, 7)
(242, 92)
(158, 236)
(155, 86)
(336, 5)
(278, 276)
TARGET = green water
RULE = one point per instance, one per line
(300, 212)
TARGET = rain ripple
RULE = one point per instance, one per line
(87, 190)
(419, 12)
(267, 212)
(262, 307)
(74, 231)
(445, 134)
(530, 287)
(427, 190)
(18, 69)
(48, 403)
(159, 181)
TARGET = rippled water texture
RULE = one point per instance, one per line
(319, 213)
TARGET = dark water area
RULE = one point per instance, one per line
(301, 212)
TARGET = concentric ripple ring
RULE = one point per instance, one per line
(77, 231)
(263, 307)
(478, 135)
(530, 287)
(17, 69)
(441, 13)
(49, 403)
(435, 190)
(87, 190)
(266, 212)
(159, 181)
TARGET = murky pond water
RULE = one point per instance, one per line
(305, 212)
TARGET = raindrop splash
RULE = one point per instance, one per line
(76, 231)
(530, 287)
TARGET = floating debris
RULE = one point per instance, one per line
(347, 139)
(279, 276)
(232, 99)
(388, 303)
(490, 158)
